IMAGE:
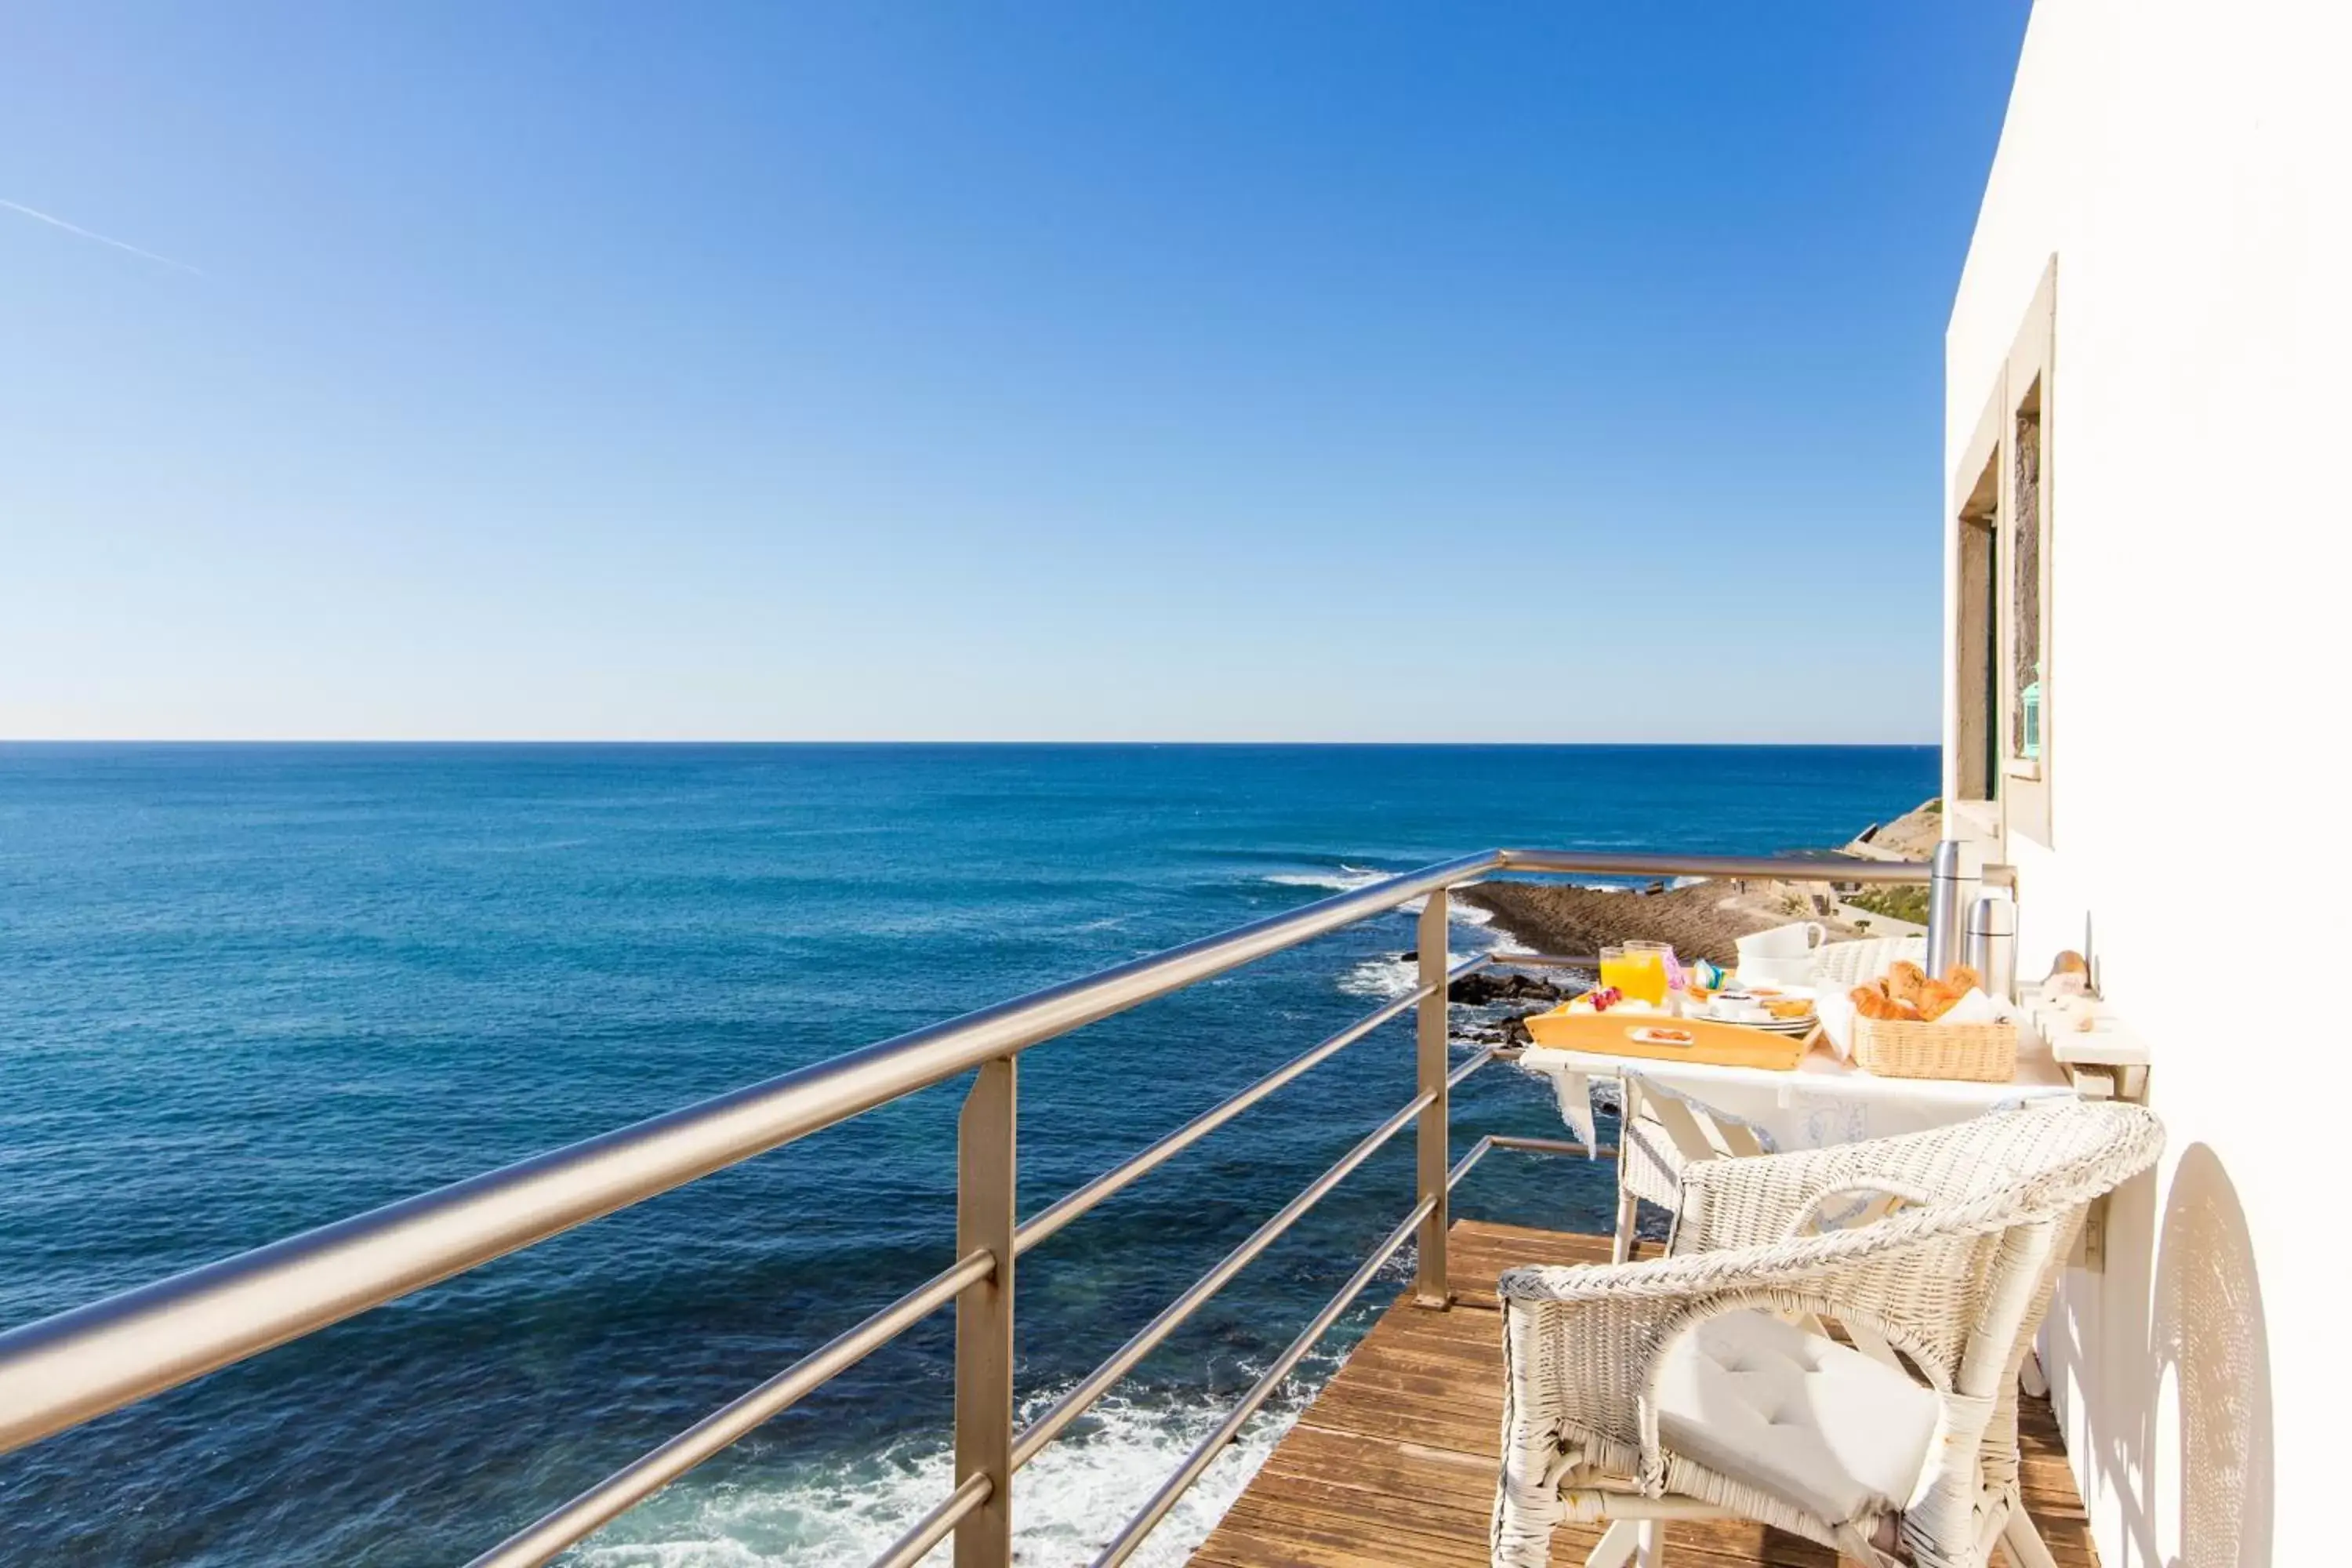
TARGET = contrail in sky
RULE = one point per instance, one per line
(39, 216)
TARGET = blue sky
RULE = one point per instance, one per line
(1310, 371)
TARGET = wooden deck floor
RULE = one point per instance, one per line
(1394, 1464)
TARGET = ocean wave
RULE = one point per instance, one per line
(1347, 878)
(1392, 975)
(1381, 979)
(1069, 1501)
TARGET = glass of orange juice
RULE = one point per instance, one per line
(1638, 969)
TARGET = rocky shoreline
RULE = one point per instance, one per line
(1703, 920)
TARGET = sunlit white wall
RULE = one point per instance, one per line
(2190, 165)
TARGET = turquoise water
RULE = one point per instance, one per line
(246, 990)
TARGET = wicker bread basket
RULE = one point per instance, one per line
(1904, 1047)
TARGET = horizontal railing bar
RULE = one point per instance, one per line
(65, 1369)
(935, 1526)
(1533, 1145)
(1468, 967)
(1473, 1064)
(1045, 1223)
(1462, 1166)
(1205, 1452)
(77, 1364)
(1545, 961)
(1098, 1383)
(1785, 869)
(626, 1486)
(1548, 1145)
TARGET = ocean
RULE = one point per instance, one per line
(245, 990)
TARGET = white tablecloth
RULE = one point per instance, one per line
(1825, 1100)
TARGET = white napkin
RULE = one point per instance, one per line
(1975, 1007)
(1575, 1109)
(1837, 1021)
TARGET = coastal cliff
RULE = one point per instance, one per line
(1702, 919)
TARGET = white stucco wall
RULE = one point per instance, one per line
(2191, 166)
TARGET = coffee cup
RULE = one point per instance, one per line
(1797, 970)
(1782, 943)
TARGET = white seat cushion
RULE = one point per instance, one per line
(1805, 1418)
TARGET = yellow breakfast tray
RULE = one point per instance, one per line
(1616, 1034)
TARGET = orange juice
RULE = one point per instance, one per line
(1638, 969)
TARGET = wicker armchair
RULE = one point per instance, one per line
(1678, 1387)
(1657, 1140)
(1846, 964)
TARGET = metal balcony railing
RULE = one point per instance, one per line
(80, 1365)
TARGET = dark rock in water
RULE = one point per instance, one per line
(1510, 1033)
(1488, 985)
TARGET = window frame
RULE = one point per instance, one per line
(1977, 635)
(1988, 770)
(2026, 378)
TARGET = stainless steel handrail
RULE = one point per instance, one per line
(1147, 1339)
(66, 1369)
(1196, 1464)
(1046, 1221)
(1759, 867)
(71, 1367)
(1477, 1061)
(935, 1526)
(1494, 1141)
(1205, 1452)
(632, 1483)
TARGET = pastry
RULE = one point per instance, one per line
(1872, 1002)
(1937, 998)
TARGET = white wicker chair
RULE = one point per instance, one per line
(1675, 1387)
(1656, 1141)
(1846, 964)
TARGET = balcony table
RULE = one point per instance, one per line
(1677, 1112)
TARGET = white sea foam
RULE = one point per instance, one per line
(843, 1513)
(1347, 878)
(1385, 979)
(1382, 979)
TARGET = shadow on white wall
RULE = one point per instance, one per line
(2211, 1422)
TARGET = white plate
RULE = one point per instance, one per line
(1711, 1015)
(1773, 1025)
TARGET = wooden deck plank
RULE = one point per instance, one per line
(1392, 1466)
